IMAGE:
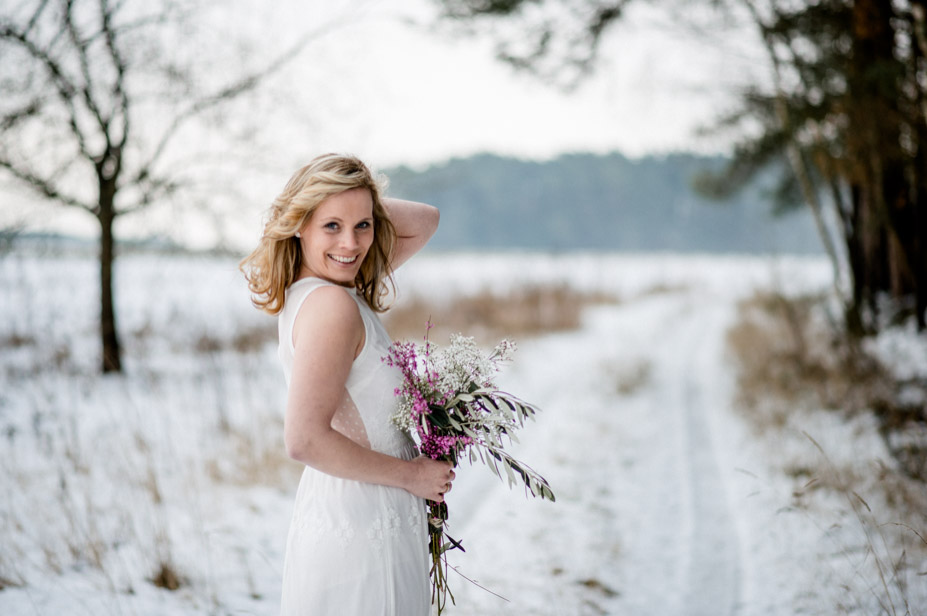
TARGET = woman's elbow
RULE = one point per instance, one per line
(299, 446)
(294, 449)
(434, 217)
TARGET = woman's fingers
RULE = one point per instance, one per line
(450, 478)
(433, 478)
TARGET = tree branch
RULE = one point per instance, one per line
(793, 151)
(156, 189)
(63, 86)
(13, 118)
(44, 187)
(35, 16)
(106, 14)
(581, 42)
(86, 91)
(245, 84)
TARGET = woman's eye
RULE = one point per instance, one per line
(364, 225)
(332, 226)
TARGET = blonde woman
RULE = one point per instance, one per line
(357, 541)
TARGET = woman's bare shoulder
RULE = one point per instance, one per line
(329, 310)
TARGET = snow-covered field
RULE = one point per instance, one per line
(667, 503)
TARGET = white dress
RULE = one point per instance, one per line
(355, 548)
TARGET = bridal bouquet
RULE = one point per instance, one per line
(449, 399)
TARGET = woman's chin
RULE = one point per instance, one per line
(335, 272)
(345, 279)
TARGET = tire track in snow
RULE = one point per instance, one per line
(712, 572)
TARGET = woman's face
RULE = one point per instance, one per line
(337, 236)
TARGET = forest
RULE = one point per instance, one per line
(607, 202)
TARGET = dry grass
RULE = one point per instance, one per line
(167, 578)
(8, 583)
(891, 551)
(790, 358)
(631, 377)
(595, 584)
(791, 361)
(663, 288)
(16, 340)
(9, 576)
(521, 312)
(249, 339)
(252, 464)
(254, 338)
(487, 316)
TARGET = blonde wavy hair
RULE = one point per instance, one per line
(275, 263)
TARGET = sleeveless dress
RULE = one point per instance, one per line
(355, 548)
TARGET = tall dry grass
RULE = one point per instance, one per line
(889, 546)
(791, 355)
(489, 316)
(793, 362)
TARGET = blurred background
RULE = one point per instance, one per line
(723, 197)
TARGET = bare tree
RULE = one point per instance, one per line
(95, 94)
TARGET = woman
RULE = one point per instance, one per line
(358, 539)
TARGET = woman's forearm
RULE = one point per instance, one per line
(415, 223)
(335, 454)
(332, 453)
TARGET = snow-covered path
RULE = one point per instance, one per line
(656, 533)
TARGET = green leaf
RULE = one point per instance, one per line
(439, 416)
(508, 471)
(495, 469)
(461, 397)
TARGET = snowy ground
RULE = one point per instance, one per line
(667, 503)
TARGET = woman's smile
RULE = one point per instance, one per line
(336, 238)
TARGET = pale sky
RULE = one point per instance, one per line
(414, 96)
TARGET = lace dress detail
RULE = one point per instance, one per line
(355, 548)
(347, 420)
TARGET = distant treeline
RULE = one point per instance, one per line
(597, 202)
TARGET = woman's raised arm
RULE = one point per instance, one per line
(415, 224)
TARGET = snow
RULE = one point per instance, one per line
(667, 502)
(901, 350)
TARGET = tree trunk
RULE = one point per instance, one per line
(918, 180)
(112, 361)
(887, 249)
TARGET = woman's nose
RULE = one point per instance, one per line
(348, 240)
